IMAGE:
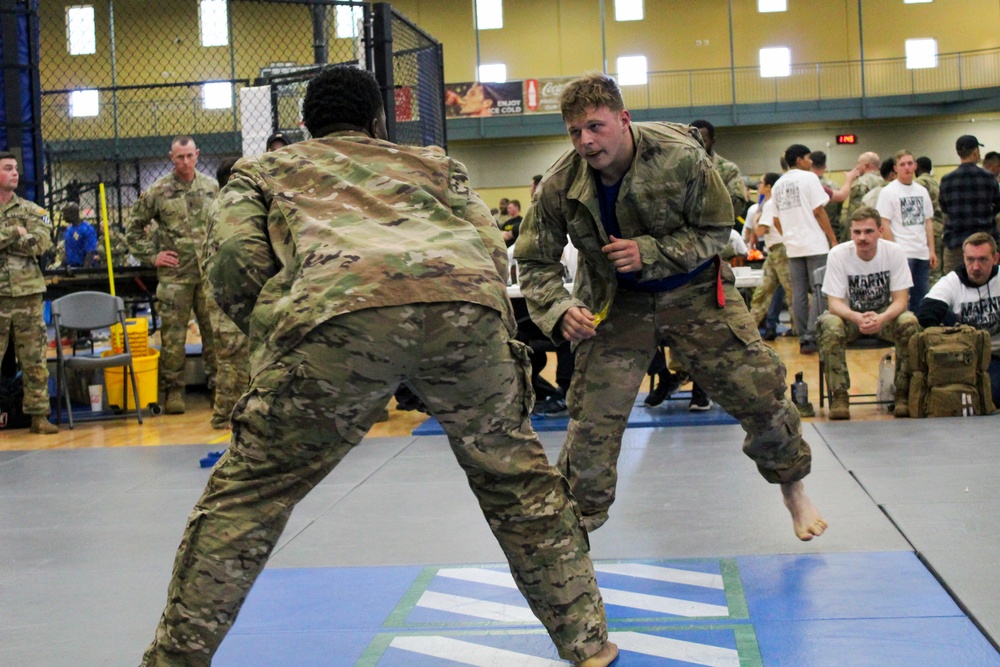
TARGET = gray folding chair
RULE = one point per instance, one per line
(90, 310)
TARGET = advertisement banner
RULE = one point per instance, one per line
(542, 95)
(474, 99)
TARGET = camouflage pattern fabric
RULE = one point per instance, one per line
(833, 209)
(308, 409)
(776, 273)
(20, 274)
(176, 301)
(232, 372)
(277, 272)
(859, 188)
(21, 287)
(173, 215)
(673, 204)
(834, 333)
(23, 317)
(934, 190)
(733, 179)
(722, 351)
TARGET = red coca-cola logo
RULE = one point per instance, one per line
(531, 94)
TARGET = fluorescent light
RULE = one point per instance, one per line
(493, 73)
(84, 103)
(217, 95)
(628, 10)
(489, 14)
(775, 61)
(632, 71)
(764, 6)
(921, 53)
(81, 37)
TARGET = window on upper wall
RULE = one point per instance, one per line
(775, 61)
(921, 53)
(217, 95)
(489, 14)
(493, 73)
(84, 103)
(81, 36)
(347, 19)
(764, 6)
(213, 20)
(915, 2)
(632, 71)
(628, 10)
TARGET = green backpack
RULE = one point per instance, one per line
(950, 372)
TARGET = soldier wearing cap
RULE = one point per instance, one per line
(25, 233)
(355, 265)
(971, 200)
(276, 141)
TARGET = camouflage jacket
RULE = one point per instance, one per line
(181, 213)
(346, 222)
(861, 186)
(733, 179)
(934, 190)
(672, 203)
(20, 274)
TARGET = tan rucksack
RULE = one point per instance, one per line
(950, 372)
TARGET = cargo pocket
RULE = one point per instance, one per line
(253, 422)
(521, 354)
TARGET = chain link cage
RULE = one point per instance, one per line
(121, 78)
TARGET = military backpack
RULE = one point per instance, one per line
(950, 372)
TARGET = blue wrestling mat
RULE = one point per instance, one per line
(673, 412)
(829, 610)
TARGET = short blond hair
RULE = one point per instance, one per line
(591, 91)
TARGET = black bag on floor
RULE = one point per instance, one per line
(11, 403)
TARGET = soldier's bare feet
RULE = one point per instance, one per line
(806, 519)
(607, 655)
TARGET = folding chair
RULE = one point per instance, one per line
(87, 311)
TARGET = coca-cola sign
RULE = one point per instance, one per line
(547, 91)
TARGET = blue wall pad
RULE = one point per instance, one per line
(880, 609)
(668, 413)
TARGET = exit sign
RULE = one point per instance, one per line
(847, 138)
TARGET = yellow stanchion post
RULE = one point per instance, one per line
(107, 238)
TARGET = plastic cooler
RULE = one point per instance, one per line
(146, 376)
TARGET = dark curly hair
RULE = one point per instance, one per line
(341, 95)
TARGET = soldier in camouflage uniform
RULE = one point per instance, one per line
(179, 204)
(924, 178)
(232, 349)
(649, 215)
(355, 265)
(25, 233)
(868, 178)
(867, 284)
(776, 270)
(730, 173)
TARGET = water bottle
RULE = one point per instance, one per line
(800, 391)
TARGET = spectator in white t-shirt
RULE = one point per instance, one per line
(802, 222)
(970, 295)
(866, 285)
(908, 219)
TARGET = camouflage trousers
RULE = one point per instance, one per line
(305, 412)
(23, 318)
(834, 333)
(938, 271)
(775, 273)
(232, 372)
(952, 259)
(175, 301)
(721, 349)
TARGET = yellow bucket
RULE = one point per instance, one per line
(138, 336)
(146, 372)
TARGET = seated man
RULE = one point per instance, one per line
(970, 295)
(867, 284)
(81, 240)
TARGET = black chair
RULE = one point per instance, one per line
(88, 311)
(861, 343)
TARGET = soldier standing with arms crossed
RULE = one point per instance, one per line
(25, 233)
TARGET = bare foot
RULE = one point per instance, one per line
(806, 519)
(607, 655)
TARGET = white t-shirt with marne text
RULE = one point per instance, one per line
(907, 208)
(978, 307)
(796, 195)
(866, 286)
